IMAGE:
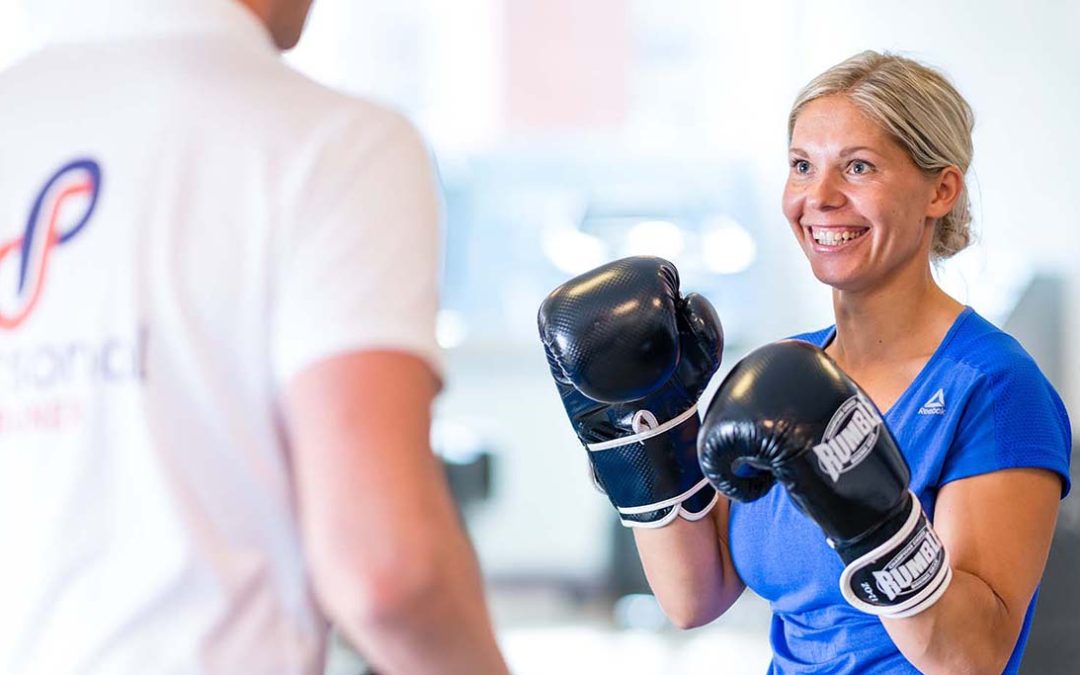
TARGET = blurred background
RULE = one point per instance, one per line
(569, 133)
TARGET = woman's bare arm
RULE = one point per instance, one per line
(688, 565)
(997, 528)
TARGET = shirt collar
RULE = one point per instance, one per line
(59, 21)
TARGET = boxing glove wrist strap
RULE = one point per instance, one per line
(644, 435)
(678, 499)
(693, 502)
(702, 497)
(902, 576)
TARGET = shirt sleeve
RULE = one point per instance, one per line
(1014, 419)
(361, 267)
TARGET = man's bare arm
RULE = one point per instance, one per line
(390, 562)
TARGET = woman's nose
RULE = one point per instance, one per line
(824, 192)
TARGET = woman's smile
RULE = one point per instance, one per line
(830, 239)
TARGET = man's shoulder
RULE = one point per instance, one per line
(217, 91)
(269, 91)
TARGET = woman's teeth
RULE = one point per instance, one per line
(835, 237)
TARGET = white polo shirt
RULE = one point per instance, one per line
(185, 223)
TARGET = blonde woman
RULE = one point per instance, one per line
(914, 510)
(879, 147)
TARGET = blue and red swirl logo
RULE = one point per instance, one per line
(60, 211)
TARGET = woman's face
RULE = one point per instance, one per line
(858, 205)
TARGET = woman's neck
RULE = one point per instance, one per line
(902, 320)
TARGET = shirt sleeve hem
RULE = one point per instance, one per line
(428, 352)
(1061, 471)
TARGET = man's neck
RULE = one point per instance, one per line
(269, 13)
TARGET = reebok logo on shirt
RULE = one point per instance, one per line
(936, 404)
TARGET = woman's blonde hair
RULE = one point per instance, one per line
(921, 109)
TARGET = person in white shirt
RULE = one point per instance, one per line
(218, 284)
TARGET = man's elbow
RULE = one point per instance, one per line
(378, 591)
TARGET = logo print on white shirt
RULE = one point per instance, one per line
(53, 221)
(936, 404)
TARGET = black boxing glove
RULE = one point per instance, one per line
(788, 413)
(630, 358)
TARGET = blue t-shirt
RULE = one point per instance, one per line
(980, 404)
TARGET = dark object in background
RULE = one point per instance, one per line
(470, 480)
(626, 575)
(467, 457)
(1054, 644)
(1053, 648)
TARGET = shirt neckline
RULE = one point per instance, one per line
(923, 372)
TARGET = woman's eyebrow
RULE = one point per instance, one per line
(843, 153)
(857, 148)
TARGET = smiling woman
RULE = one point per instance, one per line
(864, 160)
(879, 146)
(850, 177)
(924, 546)
(932, 124)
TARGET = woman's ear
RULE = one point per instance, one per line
(947, 186)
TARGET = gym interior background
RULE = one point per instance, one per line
(568, 133)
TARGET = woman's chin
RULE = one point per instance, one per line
(839, 279)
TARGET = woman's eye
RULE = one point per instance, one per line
(860, 167)
(800, 166)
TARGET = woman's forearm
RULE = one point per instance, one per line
(689, 568)
(969, 630)
(997, 528)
